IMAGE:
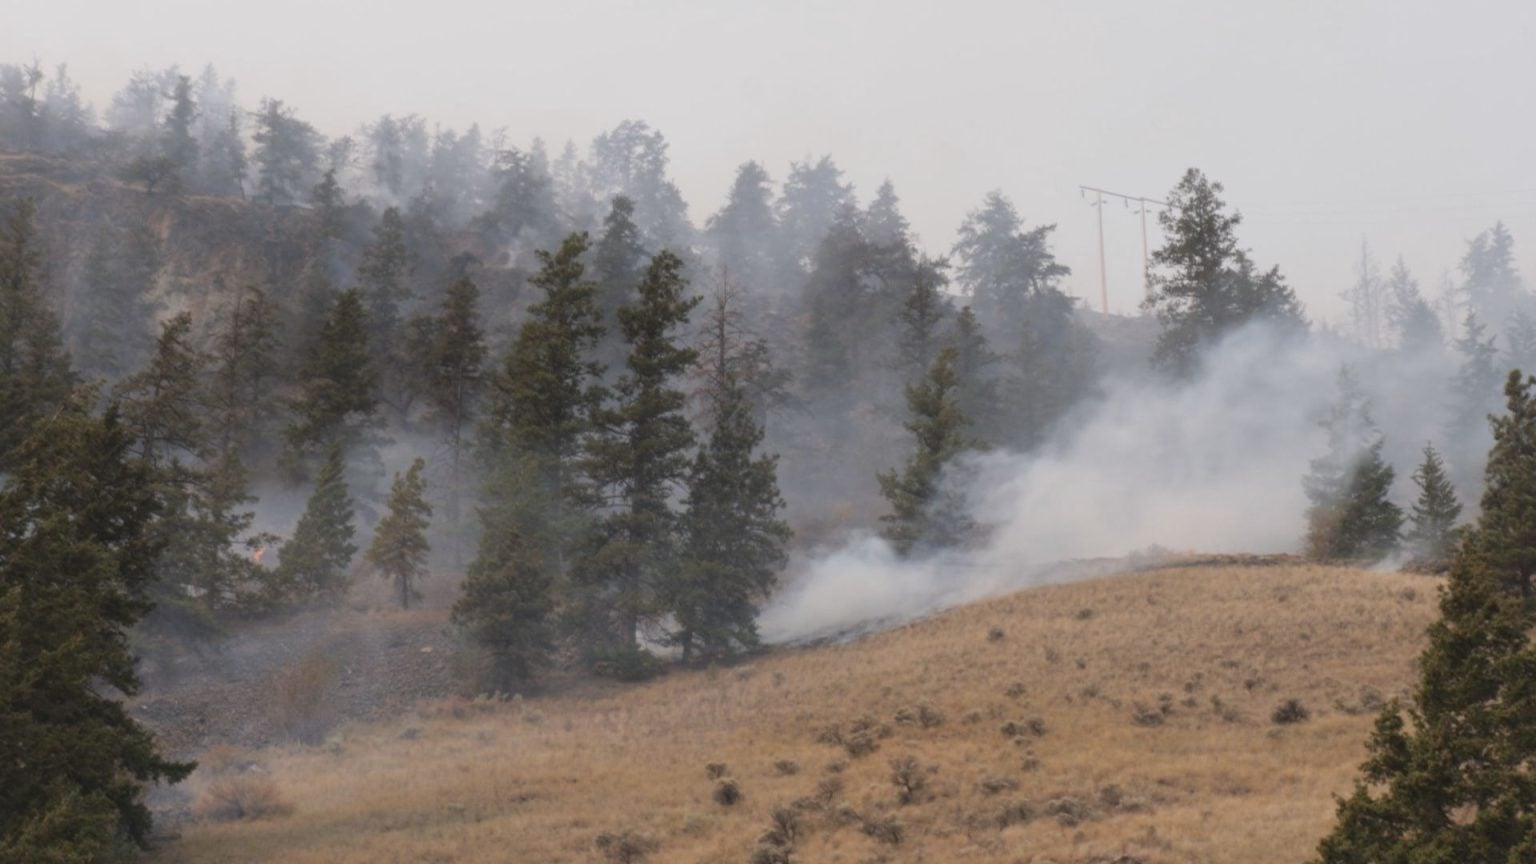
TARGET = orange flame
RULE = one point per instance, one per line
(256, 555)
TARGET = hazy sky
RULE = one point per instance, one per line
(1407, 123)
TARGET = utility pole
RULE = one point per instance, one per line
(1143, 206)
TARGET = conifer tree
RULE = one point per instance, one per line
(1350, 515)
(243, 405)
(115, 331)
(76, 561)
(924, 513)
(315, 560)
(1206, 285)
(921, 315)
(618, 263)
(338, 401)
(1432, 536)
(1448, 775)
(976, 380)
(733, 539)
(177, 142)
(329, 203)
(287, 153)
(507, 600)
(813, 198)
(638, 459)
(1409, 315)
(35, 376)
(539, 413)
(1003, 267)
(383, 277)
(456, 382)
(746, 233)
(399, 548)
(1473, 396)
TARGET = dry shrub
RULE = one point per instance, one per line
(882, 829)
(1014, 813)
(922, 715)
(1290, 711)
(300, 697)
(727, 793)
(997, 785)
(784, 829)
(462, 708)
(716, 770)
(626, 847)
(786, 767)
(234, 799)
(1070, 812)
(909, 778)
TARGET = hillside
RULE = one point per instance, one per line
(1128, 716)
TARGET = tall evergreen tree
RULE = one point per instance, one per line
(384, 279)
(76, 561)
(178, 143)
(1448, 775)
(732, 537)
(114, 331)
(338, 403)
(1350, 515)
(1206, 285)
(1005, 269)
(921, 318)
(925, 512)
(35, 377)
(314, 562)
(977, 381)
(618, 263)
(814, 197)
(1409, 316)
(631, 160)
(456, 384)
(639, 459)
(507, 602)
(287, 154)
(1490, 282)
(1432, 535)
(1473, 396)
(539, 413)
(243, 405)
(745, 233)
(399, 548)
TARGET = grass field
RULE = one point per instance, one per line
(1127, 716)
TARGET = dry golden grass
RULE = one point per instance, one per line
(1201, 656)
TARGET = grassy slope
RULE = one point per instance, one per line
(538, 779)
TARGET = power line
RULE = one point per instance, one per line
(1142, 204)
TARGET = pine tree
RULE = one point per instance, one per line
(538, 415)
(746, 233)
(243, 405)
(163, 404)
(1473, 396)
(35, 378)
(1409, 315)
(114, 332)
(618, 263)
(329, 203)
(1491, 284)
(1448, 778)
(1207, 286)
(456, 379)
(287, 153)
(920, 318)
(523, 208)
(315, 561)
(925, 513)
(976, 379)
(399, 548)
(76, 562)
(1003, 268)
(507, 600)
(813, 198)
(733, 540)
(638, 459)
(1434, 514)
(1350, 516)
(338, 402)
(177, 143)
(631, 160)
(383, 277)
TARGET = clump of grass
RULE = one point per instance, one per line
(997, 785)
(995, 634)
(1142, 715)
(626, 847)
(1290, 711)
(727, 793)
(237, 799)
(716, 770)
(922, 715)
(786, 767)
(1069, 811)
(1014, 813)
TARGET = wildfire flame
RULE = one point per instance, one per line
(256, 555)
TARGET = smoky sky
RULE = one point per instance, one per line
(1406, 124)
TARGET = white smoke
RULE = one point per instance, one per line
(1212, 465)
